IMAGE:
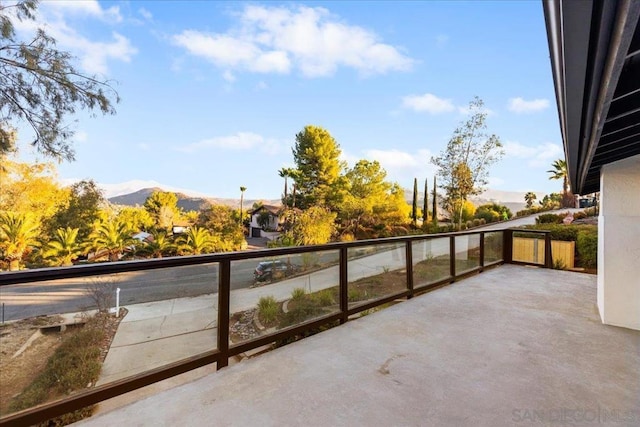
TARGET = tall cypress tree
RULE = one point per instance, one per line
(414, 207)
(434, 211)
(425, 202)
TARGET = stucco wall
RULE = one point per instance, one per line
(619, 244)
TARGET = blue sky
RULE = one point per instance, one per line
(213, 93)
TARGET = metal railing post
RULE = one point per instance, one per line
(409, 262)
(344, 293)
(481, 251)
(548, 259)
(507, 246)
(224, 297)
(452, 257)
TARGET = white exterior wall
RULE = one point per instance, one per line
(619, 244)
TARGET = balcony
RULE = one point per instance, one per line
(513, 344)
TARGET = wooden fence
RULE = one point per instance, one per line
(532, 250)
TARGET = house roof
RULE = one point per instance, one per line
(272, 209)
(595, 60)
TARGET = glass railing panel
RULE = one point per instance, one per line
(62, 336)
(273, 293)
(375, 271)
(493, 247)
(467, 253)
(431, 261)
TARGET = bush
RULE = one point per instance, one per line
(476, 222)
(323, 298)
(549, 219)
(587, 247)
(579, 215)
(268, 309)
(469, 224)
(298, 294)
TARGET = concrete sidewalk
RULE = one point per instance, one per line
(153, 334)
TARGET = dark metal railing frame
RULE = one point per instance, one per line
(224, 351)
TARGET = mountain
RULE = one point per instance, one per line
(185, 202)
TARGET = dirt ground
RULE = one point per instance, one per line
(20, 363)
(16, 373)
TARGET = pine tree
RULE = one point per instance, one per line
(414, 206)
(425, 202)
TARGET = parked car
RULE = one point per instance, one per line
(268, 270)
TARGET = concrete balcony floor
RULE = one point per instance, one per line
(511, 346)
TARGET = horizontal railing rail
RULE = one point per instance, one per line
(476, 258)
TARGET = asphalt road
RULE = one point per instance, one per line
(79, 294)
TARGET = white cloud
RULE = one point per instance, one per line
(281, 39)
(228, 76)
(429, 103)
(401, 166)
(93, 55)
(85, 7)
(145, 14)
(239, 141)
(519, 105)
(537, 156)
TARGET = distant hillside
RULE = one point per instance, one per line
(186, 203)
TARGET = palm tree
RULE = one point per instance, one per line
(64, 248)
(158, 247)
(197, 241)
(113, 237)
(560, 171)
(529, 198)
(242, 190)
(18, 232)
(286, 173)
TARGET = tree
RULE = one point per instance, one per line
(197, 241)
(367, 192)
(529, 198)
(163, 208)
(157, 246)
(223, 225)
(434, 211)
(41, 87)
(425, 202)
(560, 171)
(286, 173)
(242, 190)
(64, 248)
(82, 210)
(30, 188)
(314, 226)
(414, 205)
(18, 234)
(112, 238)
(318, 167)
(464, 165)
(137, 218)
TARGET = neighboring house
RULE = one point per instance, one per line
(180, 228)
(261, 228)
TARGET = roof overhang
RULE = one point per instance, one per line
(595, 59)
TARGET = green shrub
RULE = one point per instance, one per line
(303, 310)
(476, 222)
(579, 215)
(268, 309)
(355, 294)
(587, 247)
(298, 294)
(549, 219)
(323, 298)
(470, 224)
